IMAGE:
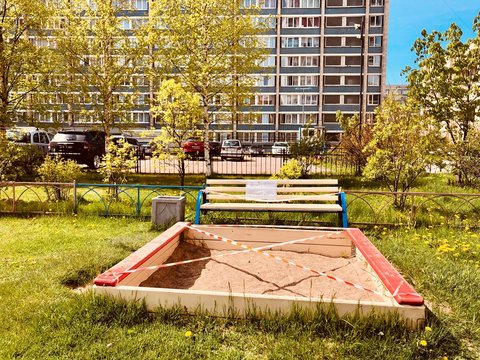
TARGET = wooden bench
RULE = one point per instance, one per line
(240, 195)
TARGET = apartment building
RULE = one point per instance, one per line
(324, 56)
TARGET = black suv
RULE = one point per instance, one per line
(85, 147)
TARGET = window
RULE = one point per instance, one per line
(298, 118)
(301, 22)
(302, 80)
(376, 21)
(352, 80)
(351, 99)
(268, 61)
(333, 41)
(354, 21)
(265, 81)
(353, 41)
(374, 60)
(268, 4)
(309, 42)
(355, 3)
(125, 24)
(334, 3)
(333, 61)
(265, 100)
(373, 80)
(373, 99)
(295, 61)
(334, 21)
(331, 80)
(140, 4)
(290, 42)
(268, 42)
(375, 41)
(288, 99)
(376, 2)
(331, 99)
(353, 60)
(289, 4)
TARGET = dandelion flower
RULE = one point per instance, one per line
(188, 333)
(423, 342)
(428, 328)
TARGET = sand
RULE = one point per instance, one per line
(251, 273)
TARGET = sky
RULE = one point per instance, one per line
(409, 17)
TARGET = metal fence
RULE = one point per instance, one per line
(78, 198)
(372, 208)
(335, 165)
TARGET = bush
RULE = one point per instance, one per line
(292, 169)
(60, 171)
(18, 161)
(118, 162)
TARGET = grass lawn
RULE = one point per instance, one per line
(43, 258)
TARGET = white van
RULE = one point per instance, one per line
(30, 136)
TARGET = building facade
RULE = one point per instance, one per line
(324, 56)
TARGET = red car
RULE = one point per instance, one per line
(194, 148)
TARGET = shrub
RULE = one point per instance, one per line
(58, 170)
(118, 162)
(292, 169)
(18, 161)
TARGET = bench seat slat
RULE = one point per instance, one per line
(272, 207)
(290, 189)
(242, 197)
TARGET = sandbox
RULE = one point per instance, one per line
(241, 268)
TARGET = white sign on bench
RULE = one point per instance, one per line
(261, 190)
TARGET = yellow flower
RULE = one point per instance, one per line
(423, 342)
(428, 328)
(188, 333)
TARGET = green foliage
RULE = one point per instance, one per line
(119, 161)
(18, 161)
(212, 46)
(292, 169)
(354, 140)
(179, 114)
(403, 145)
(58, 170)
(446, 86)
(306, 150)
(24, 64)
(97, 55)
(465, 157)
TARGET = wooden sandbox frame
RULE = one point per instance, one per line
(123, 279)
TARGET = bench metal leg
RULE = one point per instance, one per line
(342, 201)
(197, 207)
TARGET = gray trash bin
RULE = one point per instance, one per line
(168, 209)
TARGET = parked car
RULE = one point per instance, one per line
(280, 148)
(194, 147)
(133, 143)
(147, 147)
(256, 150)
(231, 149)
(30, 136)
(85, 147)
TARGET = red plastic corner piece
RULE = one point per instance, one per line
(400, 289)
(115, 274)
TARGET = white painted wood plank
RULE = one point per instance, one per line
(280, 182)
(272, 207)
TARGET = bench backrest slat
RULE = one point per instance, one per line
(308, 197)
(313, 182)
(280, 189)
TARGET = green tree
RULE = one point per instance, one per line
(99, 58)
(118, 162)
(179, 115)
(24, 64)
(446, 84)
(213, 47)
(404, 144)
(354, 141)
(306, 150)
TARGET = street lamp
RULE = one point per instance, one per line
(361, 27)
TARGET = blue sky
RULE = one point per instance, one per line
(409, 17)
